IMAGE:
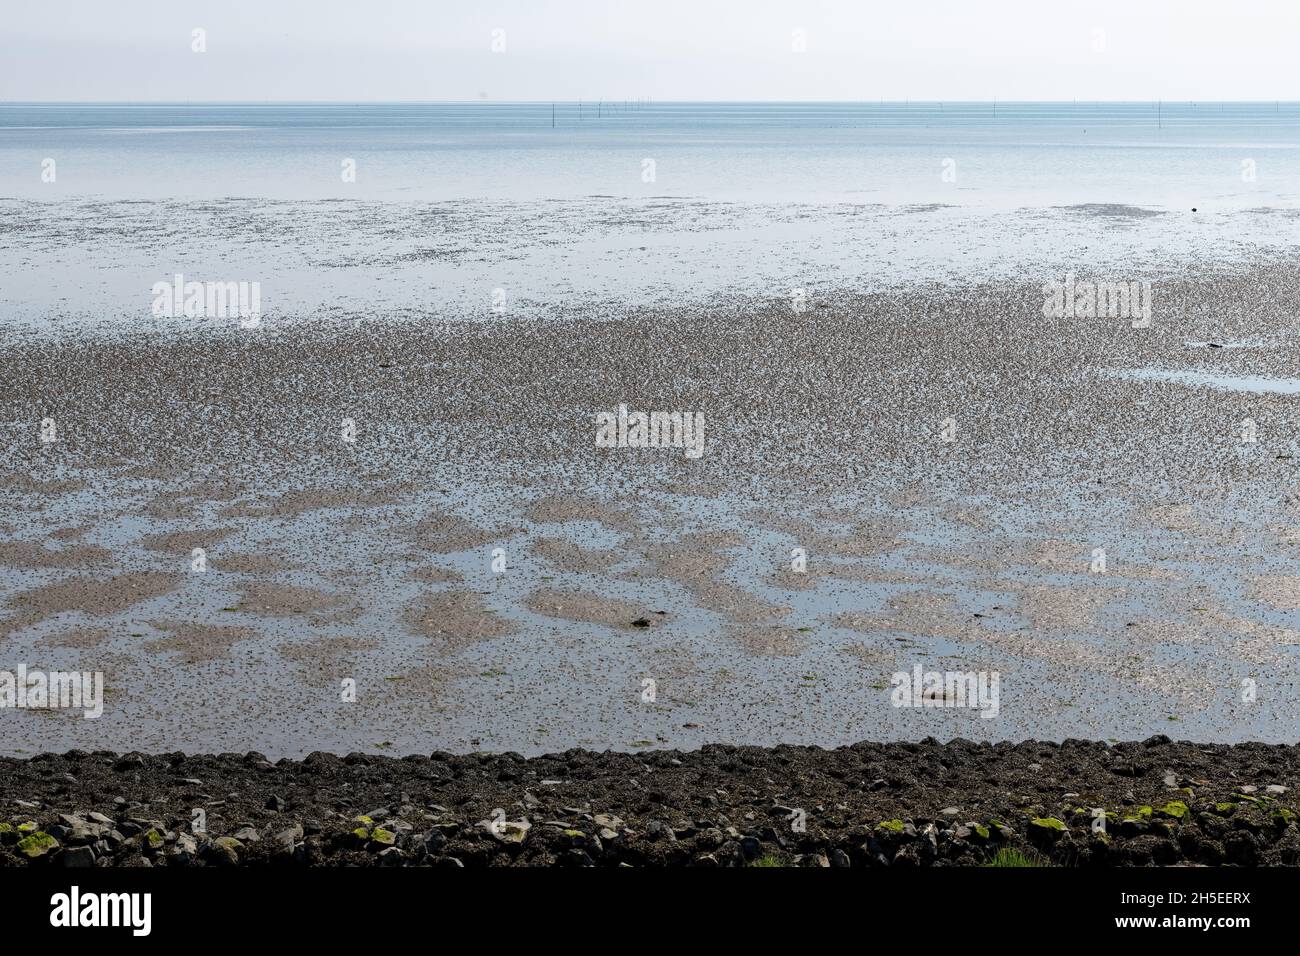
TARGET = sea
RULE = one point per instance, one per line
(465, 210)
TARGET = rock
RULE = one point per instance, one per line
(1047, 828)
(223, 851)
(507, 831)
(77, 856)
(838, 858)
(1275, 788)
(907, 856)
(950, 811)
(78, 831)
(930, 838)
(184, 850)
(729, 854)
(658, 830)
(1132, 827)
(576, 857)
(247, 835)
(290, 836)
(277, 803)
(100, 818)
(1240, 848)
(1174, 809)
(37, 844)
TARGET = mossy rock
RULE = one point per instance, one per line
(363, 819)
(1174, 810)
(1225, 808)
(28, 827)
(362, 834)
(1142, 814)
(153, 840)
(981, 831)
(6, 828)
(891, 826)
(1282, 816)
(574, 834)
(1246, 797)
(36, 845)
(383, 837)
(1047, 825)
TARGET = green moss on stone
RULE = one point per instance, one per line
(37, 844)
(1174, 809)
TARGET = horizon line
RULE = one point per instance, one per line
(617, 100)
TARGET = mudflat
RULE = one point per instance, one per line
(399, 536)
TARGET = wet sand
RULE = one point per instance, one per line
(490, 579)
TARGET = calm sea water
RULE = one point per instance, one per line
(997, 155)
(618, 205)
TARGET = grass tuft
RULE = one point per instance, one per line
(1009, 857)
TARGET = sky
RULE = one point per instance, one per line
(420, 50)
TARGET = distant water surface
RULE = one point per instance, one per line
(1002, 155)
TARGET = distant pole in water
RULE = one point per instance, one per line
(1160, 122)
(552, 116)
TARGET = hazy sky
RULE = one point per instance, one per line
(665, 49)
